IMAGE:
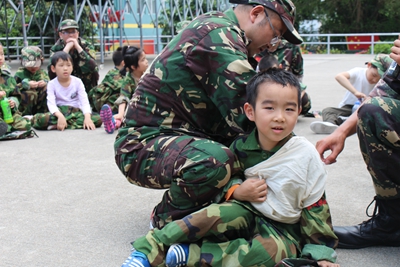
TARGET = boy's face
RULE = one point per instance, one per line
(275, 114)
(62, 69)
(1, 56)
(143, 63)
(372, 74)
(32, 70)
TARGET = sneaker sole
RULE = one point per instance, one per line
(106, 117)
(320, 128)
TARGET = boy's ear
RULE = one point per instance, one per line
(300, 109)
(248, 109)
(52, 68)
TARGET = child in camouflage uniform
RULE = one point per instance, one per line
(32, 82)
(109, 89)
(136, 64)
(67, 100)
(81, 51)
(278, 211)
(7, 89)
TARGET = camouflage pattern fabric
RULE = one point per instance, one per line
(19, 124)
(73, 116)
(194, 89)
(289, 55)
(127, 89)
(33, 100)
(378, 130)
(84, 63)
(229, 234)
(108, 91)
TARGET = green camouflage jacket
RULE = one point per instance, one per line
(313, 233)
(195, 86)
(24, 76)
(8, 85)
(84, 63)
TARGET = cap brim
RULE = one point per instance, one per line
(69, 27)
(291, 34)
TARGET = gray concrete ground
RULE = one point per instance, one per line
(63, 201)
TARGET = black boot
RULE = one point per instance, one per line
(383, 229)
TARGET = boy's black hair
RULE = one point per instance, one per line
(268, 61)
(274, 75)
(131, 57)
(117, 56)
(60, 55)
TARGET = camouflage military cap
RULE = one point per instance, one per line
(381, 62)
(68, 24)
(285, 9)
(181, 25)
(32, 56)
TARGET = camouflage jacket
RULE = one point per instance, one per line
(289, 55)
(24, 76)
(8, 85)
(84, 63)
(195, 86)
(313, 233)
(128, 86)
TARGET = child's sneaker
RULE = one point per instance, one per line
(323, 127)
(107, 118)
(136, 259)
(177, 255)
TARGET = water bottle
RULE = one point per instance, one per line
(5, 107)
(356, 105)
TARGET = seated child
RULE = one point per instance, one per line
(109, 89)
(275, 201)
(7, 89)
(135, 65)
(67, 100)
(359, 82)
(32, 82)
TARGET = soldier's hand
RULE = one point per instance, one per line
(254, 190)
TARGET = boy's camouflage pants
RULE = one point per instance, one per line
(33, 101)
(73, 116)
(378, 131)
(19, 124)
(226, 234)
(194, 170)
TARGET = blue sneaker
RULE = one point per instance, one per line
(136, 259)
(177, 255)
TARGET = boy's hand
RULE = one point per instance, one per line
(254, 190)
(2, 94)
(327, 264)
(360, 95)
(41, 83)
(88, 123)
(118, 116)
(12, 103)
(61, 123)
(33, 84)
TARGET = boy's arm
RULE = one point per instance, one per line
(343, 79)
(317, 232)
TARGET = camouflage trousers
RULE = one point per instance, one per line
(194, 169)
(106, 96)
(19, 124)
(73, 116)
(226, 234)
(378, 130)
(305, 104)
(33, 101)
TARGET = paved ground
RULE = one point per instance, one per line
(63, 201)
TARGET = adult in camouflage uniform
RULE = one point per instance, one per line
(7, 89)
(32, 82)
(108, 91)
(187, 108)
(82, 53)
(244, 232)
(377, 125)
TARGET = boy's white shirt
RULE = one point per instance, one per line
(358, 78)
(296, 178)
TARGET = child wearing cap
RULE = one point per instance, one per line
(32, 82)
(359, 82)
(81, 51)
(7, 90)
